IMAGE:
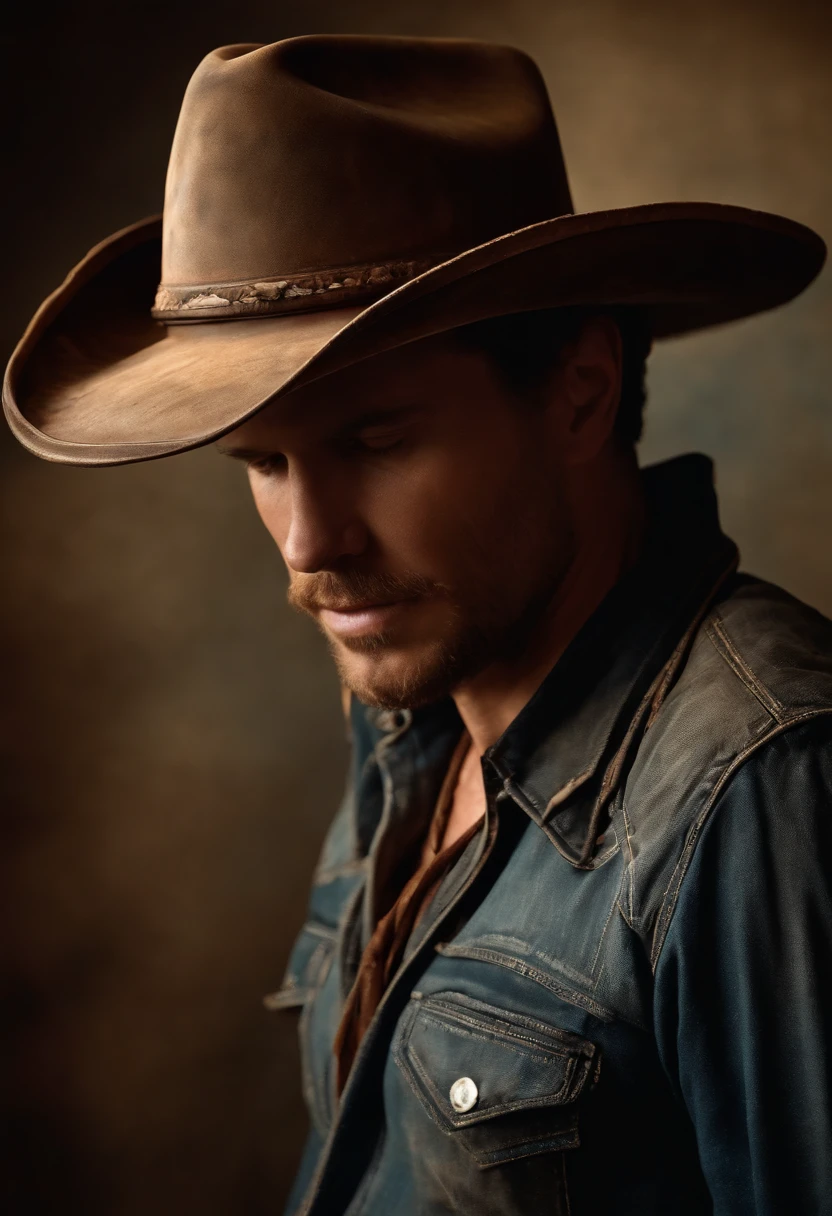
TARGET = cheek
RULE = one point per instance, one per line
(272, 507)
(441, 516)
(401, 513)
(512, 523)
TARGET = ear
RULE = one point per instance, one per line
(589, 389)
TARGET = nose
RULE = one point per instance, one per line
(322, 524)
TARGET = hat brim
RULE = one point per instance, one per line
(96, 381)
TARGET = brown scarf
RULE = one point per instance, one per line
(384, 951)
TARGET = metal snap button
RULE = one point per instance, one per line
(464, 1094)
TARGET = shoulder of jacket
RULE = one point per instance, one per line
(779, 648)
(761, 662)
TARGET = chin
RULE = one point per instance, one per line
(386, 678)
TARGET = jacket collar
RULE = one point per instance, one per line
(564, 755)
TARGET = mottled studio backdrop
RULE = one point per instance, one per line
(172, 736)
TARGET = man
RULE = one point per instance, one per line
(569, 940)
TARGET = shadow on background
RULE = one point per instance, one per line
(173, 741)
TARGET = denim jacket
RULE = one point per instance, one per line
(618, 1001)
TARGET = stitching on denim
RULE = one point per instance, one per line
(467, 1032)
(310, 1091)
(558, 1182)
(567, 1040)
(566, 791)
(400, 1048)
(318, 930)
(613, 906)
(515, 1022)
(525, 801)
(625, 898)
(500, 959)
(429, 1100)
(630, 868)
(665, 914)
(563, 848)
(546, 1139)
(320, 962)
(693, 833)
(489, 1113)
(316, 972)
(722, 643)
(425, 1100)
(449, 1012)
(601, 859)
(297, 990)
(483, 1114)
(494, 941)
(345, 870)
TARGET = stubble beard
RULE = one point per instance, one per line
(480, 635)
(396, 681)
(491, 622)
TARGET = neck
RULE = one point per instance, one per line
(609, 526)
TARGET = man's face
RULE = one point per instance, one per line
(418, 508)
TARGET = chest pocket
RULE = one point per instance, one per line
(502, 1085)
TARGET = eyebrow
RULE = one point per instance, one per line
(368, 418)
(245, 454)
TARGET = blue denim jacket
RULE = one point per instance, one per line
(629, 967)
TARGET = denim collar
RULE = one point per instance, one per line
(564, 755)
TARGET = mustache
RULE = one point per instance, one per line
(352, 589)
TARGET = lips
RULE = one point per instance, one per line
(365, 618)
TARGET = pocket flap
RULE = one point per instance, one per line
(306, 969)
(506, 1084)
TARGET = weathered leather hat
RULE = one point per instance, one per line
(331, 197)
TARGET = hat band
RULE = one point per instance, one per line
(285, 293)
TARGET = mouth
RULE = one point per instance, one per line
(358, 619)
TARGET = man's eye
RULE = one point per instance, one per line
(266, 466)
(376, 441)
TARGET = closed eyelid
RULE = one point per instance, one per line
(383, 420)
(378, 430)
(266, 463)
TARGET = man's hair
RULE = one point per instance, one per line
(525, 348)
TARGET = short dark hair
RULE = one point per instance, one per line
(525, 348)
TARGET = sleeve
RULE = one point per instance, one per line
(743, 995)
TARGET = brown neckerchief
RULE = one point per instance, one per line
(386, 947)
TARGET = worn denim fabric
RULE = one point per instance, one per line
(645, 1019)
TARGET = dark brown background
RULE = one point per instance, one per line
(173, 746)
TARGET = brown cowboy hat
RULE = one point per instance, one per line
(332, 197)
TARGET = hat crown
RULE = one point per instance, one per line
(325, 152)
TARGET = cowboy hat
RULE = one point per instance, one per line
(331, 197)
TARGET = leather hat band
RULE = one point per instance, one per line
(288, 293)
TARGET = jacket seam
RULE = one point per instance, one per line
(507, 943)
(501, 958)
(627, 872)
(519, 1045)
(597, 954)
(674, 886)
(728, 651)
